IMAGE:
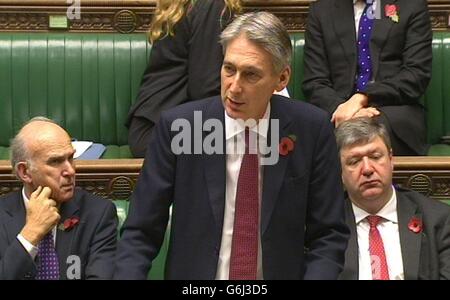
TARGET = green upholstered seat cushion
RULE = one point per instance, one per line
(113, 151)
(157, 271)
(439, 150)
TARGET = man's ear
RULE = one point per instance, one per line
(23, 172)
(284, 79)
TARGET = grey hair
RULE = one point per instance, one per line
(361, 131)
(18, 148)
(264, 29)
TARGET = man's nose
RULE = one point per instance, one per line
(69, 169)
(235, 86)
(367, 168)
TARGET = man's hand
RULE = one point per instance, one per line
(42, 215)
(367, 112)
(348, 109)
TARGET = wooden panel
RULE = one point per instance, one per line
(109, 178)
(115, 179)
(135, 15)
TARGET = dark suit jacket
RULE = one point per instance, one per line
(303, 234)
(185, 66)
(93, 239)
(426, 255)
(401, 63)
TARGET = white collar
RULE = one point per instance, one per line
(233, 127)
(25, 198)
(388, 212)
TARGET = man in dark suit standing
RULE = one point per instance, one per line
(371, 58)
(395, 233)
(50, 229)
(240, 215)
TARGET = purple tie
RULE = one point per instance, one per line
(244, 247)
(48, 268)
(364, 60)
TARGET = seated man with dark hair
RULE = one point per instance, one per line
(395, 233)
(50, 229)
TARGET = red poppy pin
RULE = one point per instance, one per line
(391, 12)
(287, 144)
(415, 225)
(69, 223)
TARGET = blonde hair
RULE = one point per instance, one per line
(169, 12)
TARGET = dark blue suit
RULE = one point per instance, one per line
(303, 233)
(93, 239)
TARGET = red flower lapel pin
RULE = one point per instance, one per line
(391, 11)
(287, 144)
(69, 223)
(415, 225)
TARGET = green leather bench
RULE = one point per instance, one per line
(88, 81)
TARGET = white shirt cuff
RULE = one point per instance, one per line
(32, 250)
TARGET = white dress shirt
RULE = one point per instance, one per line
(235, 139)
(30, 248)
(389, 232)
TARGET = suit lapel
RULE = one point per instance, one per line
(410, 242)
(65, 238)
(344, 25)
(274, 174)
(15, 208)
(380, 34)
(351, 267)
(215, 168)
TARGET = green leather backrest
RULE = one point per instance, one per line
(86, 82)
(437, 97)
(295, 84)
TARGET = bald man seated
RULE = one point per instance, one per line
(49, 229)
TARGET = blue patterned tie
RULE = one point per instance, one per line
(364, 59)
(48, 268)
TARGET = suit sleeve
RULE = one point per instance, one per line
(144, 229)
(16, 263)
(410, 83)
(326, 232)
(444, 250)
(103, 246)
(317, 85)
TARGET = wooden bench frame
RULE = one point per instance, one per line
(116, 178)
(135, 15)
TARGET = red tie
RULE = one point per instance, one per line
(244, 247)
(377, 254)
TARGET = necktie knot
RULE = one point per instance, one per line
(373, 221)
